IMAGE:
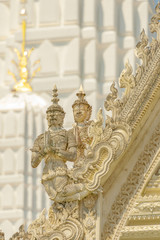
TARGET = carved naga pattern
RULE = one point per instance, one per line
(62, 224)
(115, 220)
(21, 234)
(106, 144)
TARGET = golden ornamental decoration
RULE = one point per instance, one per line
(23, 85)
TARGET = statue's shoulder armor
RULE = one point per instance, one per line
(40, 138)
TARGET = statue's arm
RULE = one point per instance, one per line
(37, 151)
(36, 159)
(71, 152)
(69, 155)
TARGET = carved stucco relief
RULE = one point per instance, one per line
(126, 198)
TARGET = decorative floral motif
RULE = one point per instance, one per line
(89, 216)
(142, 51)
(127, 80)
(90, 201)
(21, 234)
(151, 207)
(112, 103)
(90, 224)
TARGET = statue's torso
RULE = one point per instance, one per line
(57, 139)
(82, 140)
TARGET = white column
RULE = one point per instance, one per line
(108, 14)
(89, 13)
(71, 12)
(126, 18)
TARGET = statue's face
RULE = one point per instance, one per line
(80, 113)
(55, 118)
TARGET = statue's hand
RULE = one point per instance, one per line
(60, 153)
(47, 149)
(50, 149)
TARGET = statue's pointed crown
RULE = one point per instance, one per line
(55, 106)
(81, 99)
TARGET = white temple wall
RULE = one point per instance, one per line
(21, 194)
(76, 41)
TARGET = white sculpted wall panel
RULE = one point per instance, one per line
(20, 123)
(49, 58)
(1, 164)
(9, 161)
(14, 9)
(50, 11)
(2, 65)
(108, 14)
(8, 197)
(110, 68)
(71, 57)
(71, 12)
(90, 52)
(142, 15)
(20, 160)
(4, 21)
(19, 193)
(9, 55)
(89, 13)
(31, 13)
(127, 18)
(1, 125)
(10, 127)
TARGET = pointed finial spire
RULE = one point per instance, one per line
(55, 106)
(81, 94)
(81, 89)
(55, 98)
